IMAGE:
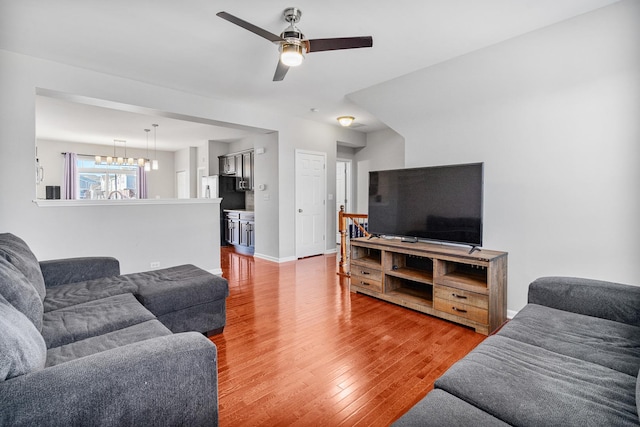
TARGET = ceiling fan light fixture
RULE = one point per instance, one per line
(293, 44)
(292, 55)
(346, 120)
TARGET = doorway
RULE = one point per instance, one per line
(343, 189)
(310, 184)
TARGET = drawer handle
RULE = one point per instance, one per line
(459, 310)
(364, 283)
(459, 296)
(364, 272)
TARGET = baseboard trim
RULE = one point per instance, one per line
(265, 257)
(216, 271)
(511, 314)
(273, 259)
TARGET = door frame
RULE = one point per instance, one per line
(296, 184)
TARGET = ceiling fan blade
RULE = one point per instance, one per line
(281, 71)
(248, 26)
(319, 45)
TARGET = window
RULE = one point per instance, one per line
(106, 181)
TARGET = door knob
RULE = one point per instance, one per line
(300, 210)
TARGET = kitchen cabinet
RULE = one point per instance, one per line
(247, 233)
(246, 179)
(240, 230)
(239, 165)
(232, 232)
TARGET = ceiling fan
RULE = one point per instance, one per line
(291, 41)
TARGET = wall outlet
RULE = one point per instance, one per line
(155, 264)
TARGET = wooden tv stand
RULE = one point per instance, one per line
(441, 280)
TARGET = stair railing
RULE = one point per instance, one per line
(350, 225)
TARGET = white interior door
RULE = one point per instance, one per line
(311, 183)
(182, 185)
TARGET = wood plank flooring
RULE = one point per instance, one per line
(300, 350)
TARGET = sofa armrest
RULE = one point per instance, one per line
(170, 380)
(71, 270)
(607, 300)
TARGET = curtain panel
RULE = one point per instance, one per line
(70, 179)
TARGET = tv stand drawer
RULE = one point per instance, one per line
(366, 278)
(462, 310)
(366, 272)
(459, 296)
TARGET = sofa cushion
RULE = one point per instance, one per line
(171, 289)
(58, 272)
(439, 409)
(62, 296)
(527, 385)
(22, 348)
(93, 318)
(118, 338)
(205, 317)
(18, 292)
(16, 251)
(597, 298)
(605, 342)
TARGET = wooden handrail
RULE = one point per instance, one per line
(343, 219)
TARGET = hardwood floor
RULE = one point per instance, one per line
(300, 350)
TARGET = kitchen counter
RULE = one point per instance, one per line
(239, 210)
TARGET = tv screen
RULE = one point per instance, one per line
(442, 203)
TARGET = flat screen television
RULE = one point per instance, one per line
(440, 203)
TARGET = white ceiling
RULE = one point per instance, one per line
(183, 45)
(65, 120)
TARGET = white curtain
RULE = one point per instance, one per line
(70, 180)
(142, 183)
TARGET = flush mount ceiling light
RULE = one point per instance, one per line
(346, 120)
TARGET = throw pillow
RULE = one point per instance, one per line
(22, 348)
(18, 292)
(16, 251)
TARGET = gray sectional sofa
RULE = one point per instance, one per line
(81, 344)
(569, 358)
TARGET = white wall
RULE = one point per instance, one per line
(384, 150)
(265, 172)
(155, 232)
(554, 116)
(216, 148)
(312, 136)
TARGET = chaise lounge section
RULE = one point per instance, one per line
(83, 345)
(569, 358)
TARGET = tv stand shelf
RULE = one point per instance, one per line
(440, 280)
(411, 274)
